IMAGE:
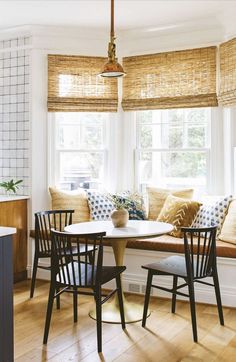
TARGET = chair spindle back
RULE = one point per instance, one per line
(73, 269)
(47, 220)
(200, 250)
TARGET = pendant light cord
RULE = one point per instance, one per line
(112, 19)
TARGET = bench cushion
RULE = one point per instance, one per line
(167, 243)
(171, 244)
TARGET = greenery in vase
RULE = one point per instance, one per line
(10, 185)
(124, 201)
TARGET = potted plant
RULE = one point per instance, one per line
(120, 214)
(10, 186)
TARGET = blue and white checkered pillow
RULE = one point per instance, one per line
(210, 215)
(100, 206)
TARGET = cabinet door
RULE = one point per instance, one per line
(14, 213)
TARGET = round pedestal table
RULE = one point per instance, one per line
(118, 238)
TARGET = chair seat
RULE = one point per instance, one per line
(87, 279)
(82, 251)
(174, 265)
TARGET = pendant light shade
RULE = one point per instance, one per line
(112, 69)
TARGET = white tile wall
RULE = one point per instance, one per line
(14, 112)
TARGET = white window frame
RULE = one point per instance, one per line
(207, 150)
(54, 153)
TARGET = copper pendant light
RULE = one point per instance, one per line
(112, 69)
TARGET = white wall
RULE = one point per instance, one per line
(14, 111)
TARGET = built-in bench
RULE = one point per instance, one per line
(167, 243)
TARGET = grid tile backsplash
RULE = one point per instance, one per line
(14, 112)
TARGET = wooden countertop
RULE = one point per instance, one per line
(4, 198)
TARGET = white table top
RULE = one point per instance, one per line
(4, 231)
(134, 229)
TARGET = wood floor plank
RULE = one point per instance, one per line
(167, 337)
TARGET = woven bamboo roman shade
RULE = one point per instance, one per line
(74, 85)
(227, 96)
(179, 79)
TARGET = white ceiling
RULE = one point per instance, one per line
(148, 15)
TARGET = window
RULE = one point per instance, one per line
(80, 149)
(173, 148)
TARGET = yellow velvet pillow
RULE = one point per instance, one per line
(77, 201)
(157, 198)
(228, 231)
(178, 212)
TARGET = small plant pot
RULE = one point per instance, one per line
(119, 218)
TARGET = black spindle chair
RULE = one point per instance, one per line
(44, 222)
(198, 263)
(71, 273)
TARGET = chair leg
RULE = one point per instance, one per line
(49, 312)
(193, 309)
(75, 305)
(58, 304)
(35, 266)
(218, 297)
(99, 318)
(90, 257)
(175, 282)
(147, 297)
(120, 298)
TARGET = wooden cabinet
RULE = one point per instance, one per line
(14, 214)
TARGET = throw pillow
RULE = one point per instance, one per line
(75, 200)
(228, 231)
(157, 197)
(133, 202)
(100, 205)
(214, 214)
(178, 212)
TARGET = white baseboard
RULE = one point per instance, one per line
(134, 278)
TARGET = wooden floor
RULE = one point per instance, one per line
(167, 337)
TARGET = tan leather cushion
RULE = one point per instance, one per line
(178, 212)
(157, 197)
(228, 231)
(167, 243)
(77, 201)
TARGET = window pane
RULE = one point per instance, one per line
(175, 116)
(173, 147)
(197, 137)
(146, 136)
(173, 169)
(184, 164)
(80, 130)
(81, 169)
(176, 137)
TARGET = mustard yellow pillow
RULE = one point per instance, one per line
(157, 197)
(178, 212)
(62, 200)
(228, 231)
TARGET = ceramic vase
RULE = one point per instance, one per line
(119, 218)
